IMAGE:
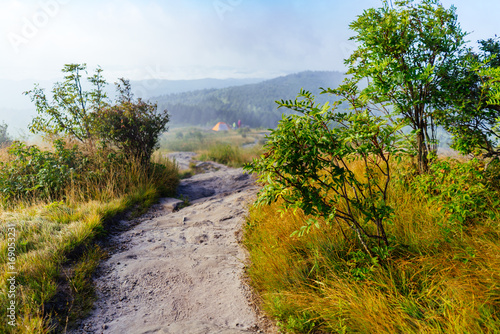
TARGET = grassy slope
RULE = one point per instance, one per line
(440, 277)
(47, 233)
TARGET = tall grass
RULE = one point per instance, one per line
(196, 139)
(226, 147)
(230, 155)
(54, 242)
(436, 278)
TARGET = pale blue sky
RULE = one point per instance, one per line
(191, 38)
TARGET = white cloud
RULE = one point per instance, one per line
(184, 39)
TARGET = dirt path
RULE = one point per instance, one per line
(181, 272)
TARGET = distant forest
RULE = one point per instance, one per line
(253, 104)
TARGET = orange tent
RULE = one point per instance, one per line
(221, 126)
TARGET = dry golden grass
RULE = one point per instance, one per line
(46, 232)
(436, 279)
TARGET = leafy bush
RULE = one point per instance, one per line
(472, 112)
(311, 161)
(132, 126)
(72, 109)
(35, 173)
(460, 188)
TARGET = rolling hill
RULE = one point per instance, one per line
(253, 104)
(192, 102)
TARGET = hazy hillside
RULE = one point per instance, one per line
(253, 104)
(154, 87)
(191, 102)
(17, 110)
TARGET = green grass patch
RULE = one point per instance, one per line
(233, 148)
(226, 154)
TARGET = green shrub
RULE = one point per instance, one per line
(35, 173)
(72, 110)
(459, 188)
(130, 127)
(134, 127)
(311, 164)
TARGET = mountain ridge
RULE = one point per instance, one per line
(253, 104)
(252, 100)
(154, 87)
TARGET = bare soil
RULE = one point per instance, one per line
(181, 270)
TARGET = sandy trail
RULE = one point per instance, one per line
(181, 272)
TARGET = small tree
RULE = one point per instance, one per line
(471, 111)
(132, 126)
(72, 109)
(312, 158)
(401, 50)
